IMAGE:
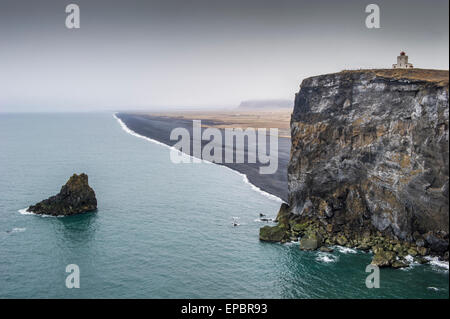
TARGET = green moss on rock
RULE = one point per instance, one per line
(383, 258)
(272, 233)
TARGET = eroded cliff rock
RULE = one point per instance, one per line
(75, 197)
(369, 161)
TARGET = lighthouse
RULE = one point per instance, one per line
(402, 62)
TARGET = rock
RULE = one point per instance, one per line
(75, 197)
(398, 248)
(311, 241)
(362, 138)
(342, 240)
(399, 264)
(422, 251)
(383, 258)
(420, 243)
(330, 228)
(437, 243)
(412, 252)
(420, 260)
(325, 249)
(308, 244)
(376, 249)
(283, 215)
(363, 246)
(272, 233)
(300, 227)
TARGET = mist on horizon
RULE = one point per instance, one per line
(139, 55)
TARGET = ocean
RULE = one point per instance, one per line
(162, 230)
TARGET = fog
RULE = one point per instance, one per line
(136, 55)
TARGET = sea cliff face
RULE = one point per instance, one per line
(369, 162)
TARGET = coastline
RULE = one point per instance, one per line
(156, 129)
(433, 260)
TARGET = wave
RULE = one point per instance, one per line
(435, 261)
(345, 250)
(410, 259)
(18, 229)
(411, 263)
(256, 188)
(131, 132)
(244, 177)
(437, 264)
(269, 220)
(25, 211)
(290, 243)
(326, 257)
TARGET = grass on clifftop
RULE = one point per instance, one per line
(436, 76)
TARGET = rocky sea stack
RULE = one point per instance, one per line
(369, 165)
(75, 197)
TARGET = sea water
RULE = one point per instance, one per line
(162, 230)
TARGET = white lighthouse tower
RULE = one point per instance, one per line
(402, 62)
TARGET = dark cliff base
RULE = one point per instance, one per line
(369, 164)
(159, 128)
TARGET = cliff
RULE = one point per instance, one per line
(75, 197)
(369, 163)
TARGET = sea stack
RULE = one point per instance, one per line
(75, 197)
(369, 163)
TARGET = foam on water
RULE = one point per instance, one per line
(326, 257)
(434, 261)
(269, 220)
(244, 177)
(18, 229)
(345, 250)
(25, 211)
(409, 259)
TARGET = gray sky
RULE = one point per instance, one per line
(203, 53)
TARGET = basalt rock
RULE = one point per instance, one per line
(272, 233)
(369, 161)
(75, 197)
(325, 249)
(384, 258)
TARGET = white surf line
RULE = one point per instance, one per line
(25, 211)
(244, 177)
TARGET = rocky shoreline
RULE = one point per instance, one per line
(313, 235)
(369, 166)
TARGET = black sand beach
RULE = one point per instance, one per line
(159, 128)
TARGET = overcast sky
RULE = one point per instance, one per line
(204, 53)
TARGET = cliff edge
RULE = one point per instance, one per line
(369, 163)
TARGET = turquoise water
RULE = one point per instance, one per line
(162, 230)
